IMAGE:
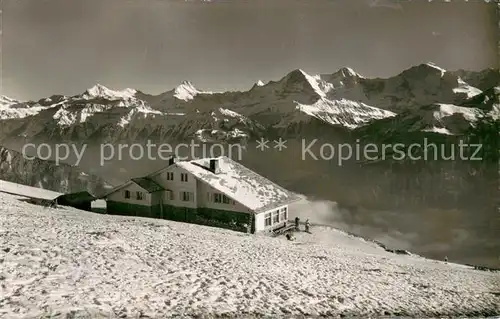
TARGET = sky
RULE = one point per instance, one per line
(66, 46)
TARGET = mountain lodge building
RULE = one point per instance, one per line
(211, 191)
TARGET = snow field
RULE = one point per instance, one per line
(65, 261)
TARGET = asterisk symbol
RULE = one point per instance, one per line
(280, 144)
(262, 144)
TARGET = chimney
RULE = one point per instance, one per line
(171, 160)
(214, 166)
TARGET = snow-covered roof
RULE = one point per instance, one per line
(27, 191)
(143, 182)
(148, 184)
(234, 180)
(116, 188)
(241, 184)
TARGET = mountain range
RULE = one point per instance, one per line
(421, 102)
(436, 100)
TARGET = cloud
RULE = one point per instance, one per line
(395, 229)
(324, 212)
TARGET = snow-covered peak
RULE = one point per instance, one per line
(259, 83)
(344, 77)
(8, 112)
(314, 81)
(348, 72)
(100, 91)
(53, 99)
(68, 117)
(303, 79)
(14, 109)
(186, 91)
(187, 84)
(6, 101)
(419, 72)
(432, 65)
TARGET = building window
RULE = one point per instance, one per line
(187, 196)
(222, 199)
(276, 217)
(127, 194)
(225, 199)
(140, 195)
(268, 219)
(170, 194)
(184, 177)
(217, 198)
(283, 214)
(170, 176)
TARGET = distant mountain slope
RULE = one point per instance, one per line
(14, 167)
(437, 118)
(483, 80)
(488, 101)
(14, 109)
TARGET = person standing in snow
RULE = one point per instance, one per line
(307, 225)
(297, 220)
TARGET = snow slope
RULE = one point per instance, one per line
(446, 110)
(69, 262)
(344, 112)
